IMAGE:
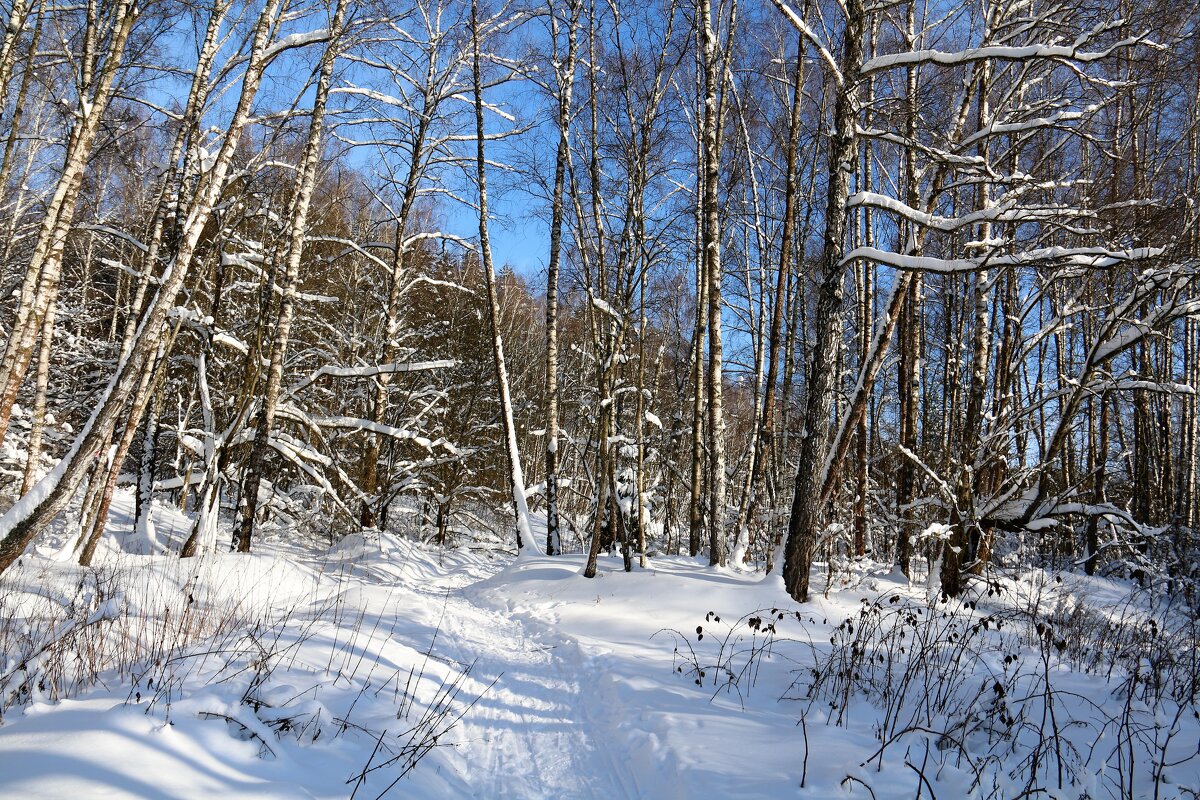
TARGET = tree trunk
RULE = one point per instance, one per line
(805, 522)
(566, 78)
(306, 181)
(1099, 464)
(961, 548)
(767, 433)
(144, 506)
(699, 342)
(711, 244)
(525, 539)
(42, 380)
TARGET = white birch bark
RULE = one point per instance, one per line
(36, 508)
(298, 226)
(45, 264)
(526, 543)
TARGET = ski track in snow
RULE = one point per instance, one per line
(527, 736)
(539, 730)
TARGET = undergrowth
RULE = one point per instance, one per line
(183, 642)
(1019, 689)
(1003, 689)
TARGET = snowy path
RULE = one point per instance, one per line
(651, 732)
(527, 736)
(538, 728)
(576, 697)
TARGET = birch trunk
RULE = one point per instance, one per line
(29, 515)
(525, 540)
(566, 79)
(699, 343)
(711, 244)
(283, 325)
(45, 264)
(42, 380)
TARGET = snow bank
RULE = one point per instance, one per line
(299, 673)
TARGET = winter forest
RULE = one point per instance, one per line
(596, 398)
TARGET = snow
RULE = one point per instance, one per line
(660, 683)
(605, 307)
(369, 371)
(1072, 52)
(1006, 211)
(295, 40)
(221, 337)
(800, 25)
(1090, 257)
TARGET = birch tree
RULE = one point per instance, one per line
(525, 538)
(298, 216)
(104, 34)
(22, 522)
(564, 74)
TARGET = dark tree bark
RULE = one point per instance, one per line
(806, 517)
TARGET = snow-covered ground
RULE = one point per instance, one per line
(295, 672)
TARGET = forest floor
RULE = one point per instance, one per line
(385, 668)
